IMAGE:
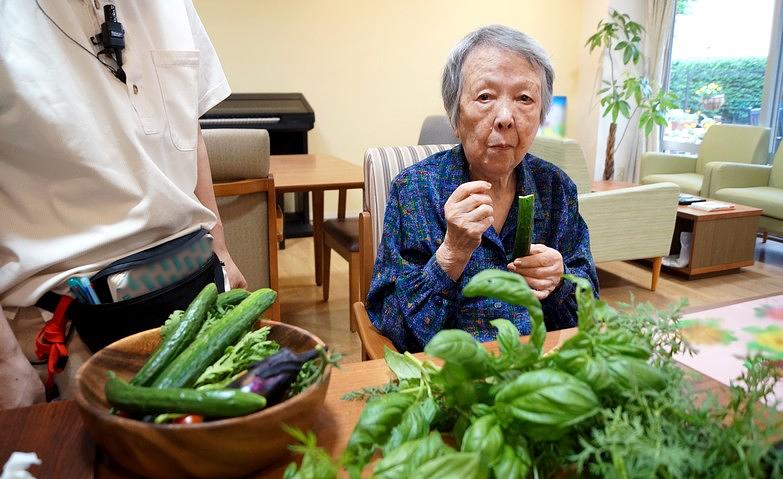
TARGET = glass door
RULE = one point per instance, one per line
(718, 67)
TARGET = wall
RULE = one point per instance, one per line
(371, 69)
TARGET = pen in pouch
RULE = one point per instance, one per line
(75, 286)
(87, 287)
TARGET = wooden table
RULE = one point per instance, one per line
(721, 241)
(55, 431)
(316, 174)
(609, 185)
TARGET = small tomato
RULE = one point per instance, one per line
(189, 419)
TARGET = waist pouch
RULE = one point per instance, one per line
(99, 325)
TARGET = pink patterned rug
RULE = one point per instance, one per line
(725, 336)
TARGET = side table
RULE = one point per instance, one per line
(721, 241)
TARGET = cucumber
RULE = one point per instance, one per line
(182, 334)
(225, 302)
(216, 403)
(231, 297)
(210, 345)
(524, 227)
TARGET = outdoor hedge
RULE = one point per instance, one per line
(742, 81)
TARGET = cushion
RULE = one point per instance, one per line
(765, 197)
(237, 154)
(688, 182)
(345, 232)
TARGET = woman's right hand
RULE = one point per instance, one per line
(469, 214)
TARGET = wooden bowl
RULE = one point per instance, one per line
(224, 448)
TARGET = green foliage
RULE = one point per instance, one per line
(683, 7)
(626, 94)
(610, 402)
(741, 81)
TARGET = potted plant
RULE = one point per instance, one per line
(625, 94)
(712, 97)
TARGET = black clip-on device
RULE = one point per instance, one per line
(112, 38)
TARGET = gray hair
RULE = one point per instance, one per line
(501, 37)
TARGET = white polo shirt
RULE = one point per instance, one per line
(91, 169)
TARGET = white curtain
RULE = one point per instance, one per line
(658, 24)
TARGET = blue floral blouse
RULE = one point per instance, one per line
(411, 298)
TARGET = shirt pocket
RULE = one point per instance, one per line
(177, 73)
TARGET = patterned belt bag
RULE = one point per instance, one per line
(139, 292)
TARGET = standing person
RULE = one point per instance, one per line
(453, 214)
(102, 158)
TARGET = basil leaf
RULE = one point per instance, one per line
(513, 289)
(505, 286)
(512, 463)
(404, 366)
(508, 337)
(464, 465)
(485, 437)
(404, 460)
(415, 423)
(458, 347)
(584, 300)
(460, 426)
(622, 343)
(628, 373)
(593, 370)
(457, 385)
(378, 418)
(547, 402)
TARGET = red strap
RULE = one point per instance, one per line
(50, 342)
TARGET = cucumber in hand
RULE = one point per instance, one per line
(524, 227)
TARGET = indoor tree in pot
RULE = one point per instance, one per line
(621, 91)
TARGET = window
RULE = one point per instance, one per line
(718, 67)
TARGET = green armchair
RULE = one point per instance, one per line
(734, 143)
(752, 185)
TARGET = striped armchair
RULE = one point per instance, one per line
(381, 166)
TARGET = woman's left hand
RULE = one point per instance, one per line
(542, 269)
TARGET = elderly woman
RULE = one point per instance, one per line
(454, 214)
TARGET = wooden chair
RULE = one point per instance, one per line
(342, 235)
(245, 194)
(381, 166)
(372, 340)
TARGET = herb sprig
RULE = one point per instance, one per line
(610, 402)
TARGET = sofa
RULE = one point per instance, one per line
(760, 186)
(732, 143)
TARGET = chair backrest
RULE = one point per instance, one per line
(567, 155)
(734, 143)
(245, 194)
(776, 176)
(381, 166)
(436, 130)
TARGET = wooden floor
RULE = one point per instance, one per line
(301, 303)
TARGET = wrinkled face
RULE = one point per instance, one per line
(500, 110)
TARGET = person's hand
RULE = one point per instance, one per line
(468, 213)
(542, 269)
(235, 277)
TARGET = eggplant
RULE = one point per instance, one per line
(273, 376)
